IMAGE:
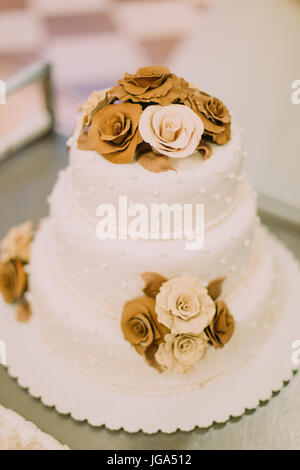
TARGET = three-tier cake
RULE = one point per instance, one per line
(146, 315)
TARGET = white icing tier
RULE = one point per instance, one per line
(213, 182)
(94, 345)
(106, 273)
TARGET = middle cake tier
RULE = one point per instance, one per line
(106, 273)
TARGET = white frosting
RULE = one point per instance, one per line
(213, 182)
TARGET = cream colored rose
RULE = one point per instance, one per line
(16, 244)
(184, 306)
(180, 352)
(173, 130)
(96, 101)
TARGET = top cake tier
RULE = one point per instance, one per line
(155, 138)
(213, 182)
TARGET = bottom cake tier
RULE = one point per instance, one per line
(93, 345)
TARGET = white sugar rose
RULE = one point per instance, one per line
(16, 244)
(184, 306)
(179, 353)
(174, 130)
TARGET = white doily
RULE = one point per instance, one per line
(18, 434)
(49, 379)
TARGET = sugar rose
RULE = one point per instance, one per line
(16, 244)
(221, 327)
(114, 131)
(174, 130)
(151, 84)
(180, 352)
(214, 114)
(184, 306)
(13, 280)
(96, 101)
(140, 325)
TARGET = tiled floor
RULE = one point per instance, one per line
(91, 43)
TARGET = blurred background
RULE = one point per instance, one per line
(246, 52)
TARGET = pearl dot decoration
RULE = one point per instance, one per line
(156, 192)
(228, 200)
(233, 268)
(230, 176)
(178, 180)
(202, 190)
(217, 197)
(104, 266)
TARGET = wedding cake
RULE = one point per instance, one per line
(143, 314)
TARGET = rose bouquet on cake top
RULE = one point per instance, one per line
(176, 320)
(152, 116)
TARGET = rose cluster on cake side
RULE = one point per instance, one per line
(176, 320)
(15, 254)
(152, 115)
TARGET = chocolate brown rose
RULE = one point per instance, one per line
(151, 84)
(13, 280)
(214, 114)
(140, 325)
(221, 327)
(114, 131)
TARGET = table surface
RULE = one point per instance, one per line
(26, 179)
